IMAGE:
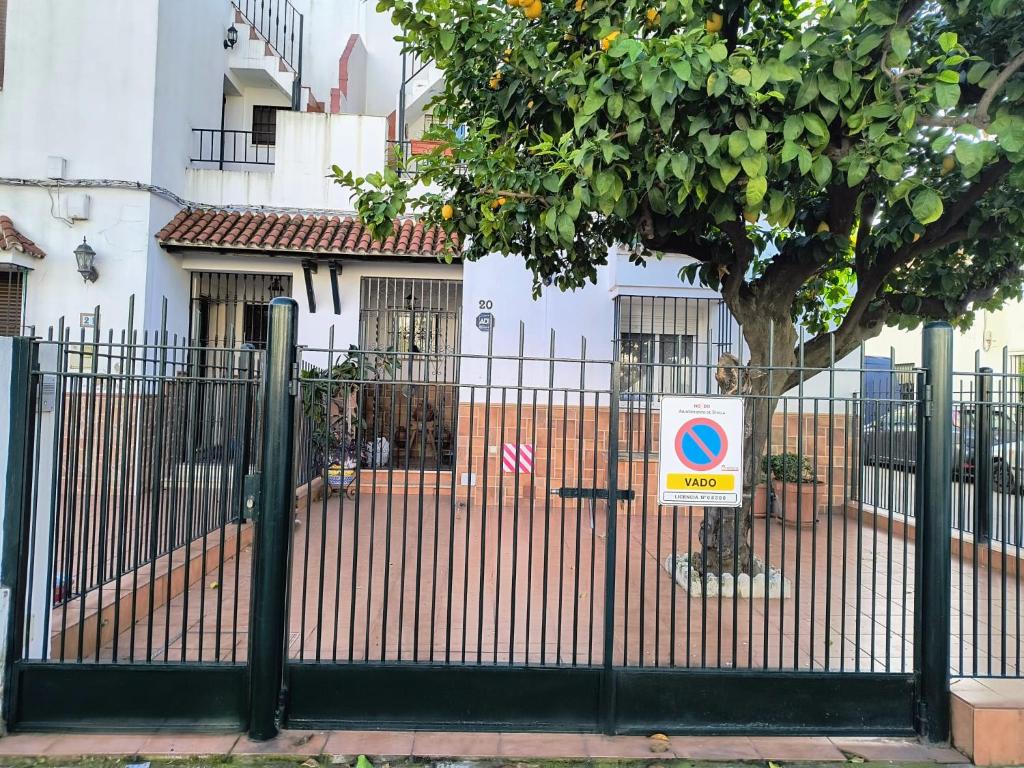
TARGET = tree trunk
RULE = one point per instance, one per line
(725, 532)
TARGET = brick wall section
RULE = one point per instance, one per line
(558, 452)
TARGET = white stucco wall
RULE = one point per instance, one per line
(79, 82)
(308, 144)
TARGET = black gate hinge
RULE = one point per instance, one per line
(927, 401)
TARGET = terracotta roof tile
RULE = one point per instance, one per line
(313, 235)
(12, 240)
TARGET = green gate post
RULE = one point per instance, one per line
(934, 526)
(273, 524)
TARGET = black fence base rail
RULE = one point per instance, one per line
(755, 702)
(420, 696)
(123, 697)
(505, 698)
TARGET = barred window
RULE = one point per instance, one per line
(12, 302)
(264, 125)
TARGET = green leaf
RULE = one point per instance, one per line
(718, 52)
(615, 106)
(815, 125)
(887, 169)
(634, 131)
(805, 161)
(790, 49)
(900, 41)
(843, 70)
(738, 143)
(679, 165)
(868, 43)
(948, 76)
(947, 96)
(729, 172)
(822, 170)
(756, 189)
(566, 227)
(790, 150)
(856, 171)
(947, 41)
(926, 206)
(754, 165)
(682, 69)
(593, 102)
(447, 39)
(757, 138)
(793, 127)
(740, 76)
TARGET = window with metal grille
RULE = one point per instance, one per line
(3, 38)
(669, 345)
(230, 308)
(12, 302)
(264, 125)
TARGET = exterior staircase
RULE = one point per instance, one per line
(268, 53)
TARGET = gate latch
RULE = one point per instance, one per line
(251, 497)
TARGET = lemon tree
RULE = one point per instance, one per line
(832, 165)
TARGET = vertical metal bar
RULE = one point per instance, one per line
(608, 674)
(273, 530)
(983, 464)
(933, 532)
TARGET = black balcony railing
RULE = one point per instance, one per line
(224, 147)
(279, 24)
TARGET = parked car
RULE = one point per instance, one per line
(892, 439)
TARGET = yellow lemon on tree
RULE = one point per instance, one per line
(652, 16)
(713, 25)
(529, 104)
(751, 215)
(580, 5)
(447, 211)
(948, 164)
(824, 227)
(534, 9)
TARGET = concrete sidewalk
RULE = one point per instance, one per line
(342, 747)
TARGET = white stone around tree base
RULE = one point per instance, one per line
(763, 584)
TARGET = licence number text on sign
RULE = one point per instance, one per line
(701, 451)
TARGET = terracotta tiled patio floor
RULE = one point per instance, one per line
(426, 580)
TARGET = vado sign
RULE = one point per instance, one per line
(701, 451)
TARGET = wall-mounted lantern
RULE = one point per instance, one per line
(232, 37)
(86, 258)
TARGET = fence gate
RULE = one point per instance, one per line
(490, 553)
(131, 600)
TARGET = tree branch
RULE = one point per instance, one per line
(935, 308)
(980, 115)
(981, 111)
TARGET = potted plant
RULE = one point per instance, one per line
(330, 402)
(795, 487)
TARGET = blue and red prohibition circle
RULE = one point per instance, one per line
(701, 444)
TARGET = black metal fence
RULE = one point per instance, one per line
(520, 542)
(142, 446)
(987, 488)
(220, 147)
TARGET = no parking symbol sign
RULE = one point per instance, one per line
(701, 451)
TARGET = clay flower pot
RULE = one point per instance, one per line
(761, 500)
(798, 501)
